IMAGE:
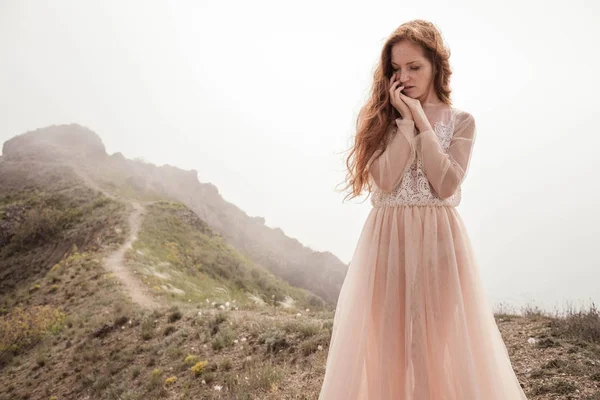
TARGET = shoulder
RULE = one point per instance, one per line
(463, 121)
(464, 124)
(462, 116)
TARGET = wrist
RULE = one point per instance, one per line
(423, 126)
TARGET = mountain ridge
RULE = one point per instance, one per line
(318, 271)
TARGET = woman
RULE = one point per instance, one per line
(412, 320)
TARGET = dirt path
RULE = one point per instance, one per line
(115, 262)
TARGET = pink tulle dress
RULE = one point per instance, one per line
(412, 320)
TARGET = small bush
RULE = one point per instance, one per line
(170, 380)
(216, 321)
(226, 364)
(191, 359)
(175, 315)
(223, 339)
(23, 327)
(156, 377)
(169, 329)
(198, 368)
(147, 328)
(136, 372)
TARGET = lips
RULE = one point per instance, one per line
(408, 87)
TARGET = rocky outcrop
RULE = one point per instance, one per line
(54, 143)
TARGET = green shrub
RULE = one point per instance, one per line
(23, 327)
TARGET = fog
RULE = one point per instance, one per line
(261, 98)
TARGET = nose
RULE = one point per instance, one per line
(402, 76)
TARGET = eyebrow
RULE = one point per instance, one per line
(411, 62)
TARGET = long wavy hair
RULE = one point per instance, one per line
(376, 116)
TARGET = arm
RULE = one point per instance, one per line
(446, 171)
(387, 167)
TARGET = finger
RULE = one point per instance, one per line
(397, 97)
(404, 98)
(410, 101)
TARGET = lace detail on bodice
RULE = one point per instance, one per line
(414, 187)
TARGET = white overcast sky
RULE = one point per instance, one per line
(261, 98)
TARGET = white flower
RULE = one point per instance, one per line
(218, 387)
(199, 313)
(203, 382)
(207, 301)
(298, 315)
(308, 309)
(243, 339)
(319, 347)
(221, 307)
(227, 304)
(531, 340)
(235, 341)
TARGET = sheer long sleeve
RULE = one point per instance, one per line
(446, 171)
(387, 166)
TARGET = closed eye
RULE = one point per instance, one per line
(412, 68)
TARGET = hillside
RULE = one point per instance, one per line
(319, 272)
(79, 262)
(113, 287)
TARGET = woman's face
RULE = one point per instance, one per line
(412, 69)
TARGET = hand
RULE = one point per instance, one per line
(396, 100)
(416, 109)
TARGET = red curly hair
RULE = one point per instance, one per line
(378, 113)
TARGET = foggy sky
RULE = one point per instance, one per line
(261, 98)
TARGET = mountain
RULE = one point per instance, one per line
(319, 272)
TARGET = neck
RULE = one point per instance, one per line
(430, 98)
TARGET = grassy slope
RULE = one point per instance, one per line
(44, 212)
(94, 342)
(180, 257)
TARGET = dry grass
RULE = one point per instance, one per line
(254, 340)
(555, 354)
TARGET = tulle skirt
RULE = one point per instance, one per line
(412, 320)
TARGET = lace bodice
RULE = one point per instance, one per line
(425, 168)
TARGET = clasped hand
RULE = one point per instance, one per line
(408, 107)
